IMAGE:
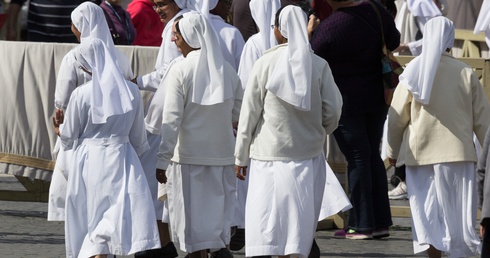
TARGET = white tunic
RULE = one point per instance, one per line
(108, 206)
(168, 52)
(197, 152)
(70, 76)
(231, 40)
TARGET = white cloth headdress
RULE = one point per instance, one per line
(419, 75)
(90, 20)
(423, 8)
(203, 6)
(168, 51)
(264, 14)
(209, 81)
(483, 22)
(110, 94)
(291, 78)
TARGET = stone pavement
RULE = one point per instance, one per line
(25, 233)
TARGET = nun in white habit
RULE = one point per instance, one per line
(411, 18)
(167, 54)
(168, 51)
(88, 21)
(230, 38)
(202, 99)
(291, 103)
(483, 21)
(436, 108)
(108, 203)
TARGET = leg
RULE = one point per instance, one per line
(199, 254)
(163, 232)
(351, 136)
(485, 250)
(433, 253)
(381, 204)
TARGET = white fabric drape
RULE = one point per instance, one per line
(291, 78)
(264, 14)
(90, 20)
(419, 75)
(203, 6)
(110, 92)
(423, 8)
(483, 22)
(209, 81)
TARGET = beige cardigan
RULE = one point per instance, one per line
(441, 131)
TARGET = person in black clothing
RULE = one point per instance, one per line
(47, 20)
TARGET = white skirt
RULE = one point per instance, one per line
(283, 206)
(57, 187)
(149, 163)
(443, 204)
(200, 201)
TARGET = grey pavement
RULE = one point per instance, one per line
(24, 232)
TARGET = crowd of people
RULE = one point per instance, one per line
(234, 135)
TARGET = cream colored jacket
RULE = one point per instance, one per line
(441, 131)
(271, 129)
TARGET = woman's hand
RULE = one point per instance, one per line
(58, 119)
(161, 177)
(241, 172)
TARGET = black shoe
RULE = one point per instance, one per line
(222, 253)
(315, 250)
(237, 241)
(168, 251)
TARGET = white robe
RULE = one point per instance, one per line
(231, 40)
(168, 52)
(108, 206)
(443, 202)
(70, 76)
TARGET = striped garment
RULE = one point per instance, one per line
(49, 20)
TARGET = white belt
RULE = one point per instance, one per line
(103, 141)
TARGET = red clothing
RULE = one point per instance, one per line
(147, 23)
(322, 9)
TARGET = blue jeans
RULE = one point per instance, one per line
(359, 138)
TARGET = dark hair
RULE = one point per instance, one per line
(278, 13)
(176, 21)
(276, 20)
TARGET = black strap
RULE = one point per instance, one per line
(380, 22)
(112, 27)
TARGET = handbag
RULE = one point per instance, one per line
(390, 67)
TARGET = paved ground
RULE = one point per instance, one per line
(24, 232)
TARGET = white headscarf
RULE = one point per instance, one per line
(419, 75)
(291, 78)
(210, 86)
(264, 14)
(168, 51)
(204, 6)
(90, 20)
(110, 94)
(423, 8)
(483, 22)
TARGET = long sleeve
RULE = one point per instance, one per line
(481, 108)
(252, 106)
(398, 119)
(172, 112)
(72, 124)
(137, 134)
(481, 168)
(68, 79)
(331, 102)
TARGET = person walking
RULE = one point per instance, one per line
(436, 108)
